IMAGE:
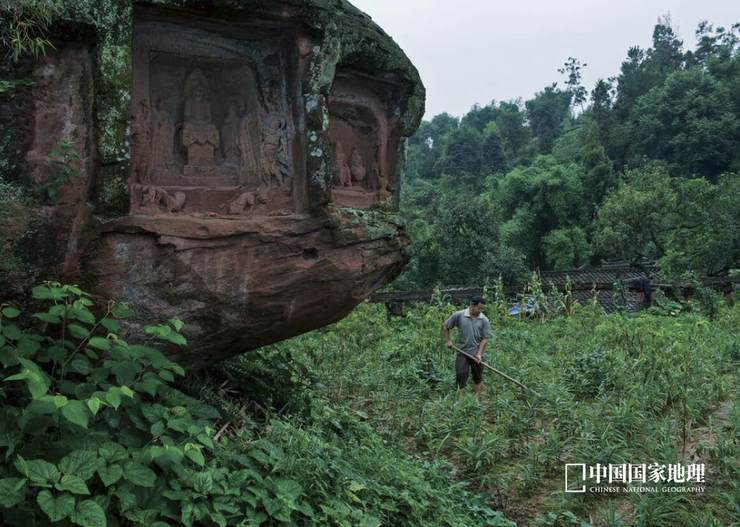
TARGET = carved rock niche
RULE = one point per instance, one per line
(213, 130)
(365, 140)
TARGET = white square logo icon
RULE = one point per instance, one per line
(574, 472)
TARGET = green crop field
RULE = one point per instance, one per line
(647, 388)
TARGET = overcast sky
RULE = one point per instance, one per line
(470, 51)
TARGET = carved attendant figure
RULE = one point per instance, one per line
(248, 148)
(142, 135)
(163, 137)
(275, 152)
(230, 135)
(357, 167)
(199, 135)
(342, 174)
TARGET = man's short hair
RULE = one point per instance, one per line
(477, 299)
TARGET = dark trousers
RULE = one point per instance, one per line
(462, 365)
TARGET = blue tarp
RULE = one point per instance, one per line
(518, 309)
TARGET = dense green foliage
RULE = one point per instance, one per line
(93, 432)
(646, 167)
(615, 389)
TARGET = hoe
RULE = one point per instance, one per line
(502, 374)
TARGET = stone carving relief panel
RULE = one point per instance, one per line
(212, 133)
(365, 147)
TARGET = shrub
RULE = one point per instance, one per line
(91, 427)
(589, 373)
(93, 432)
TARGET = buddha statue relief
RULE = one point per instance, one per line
(200, 137)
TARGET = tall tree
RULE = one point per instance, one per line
(574, 82)
(690, 122)
(462, 152)
(493, 156)
(547, 113)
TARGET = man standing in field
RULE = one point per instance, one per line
(474, 330)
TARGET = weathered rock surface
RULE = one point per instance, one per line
(262, 190)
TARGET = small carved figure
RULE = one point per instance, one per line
(373, 177)
(156, 199)
(275, 153)
(342, 175)
(248, 144)
(199, 136)
(230, 135)
(242, 203)
(163, 137)
(246, 200)
(357, 167)
(141, 133)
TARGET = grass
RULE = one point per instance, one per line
(615, 389)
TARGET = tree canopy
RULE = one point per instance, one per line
(645, 164)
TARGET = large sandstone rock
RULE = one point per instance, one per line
(265, 166)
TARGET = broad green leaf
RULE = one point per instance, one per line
(78, 331)
(205, 440)
(113, 396)
(126, 372)
(39, 471)
(166, 454)
(150, 384)
(11, 331)
(99, 343)
(203, 482)
(139, 474)
(288, 488)
(17, 376)
(48, 318)
(47, 292)
(57, 310)
(113, 452)
(111, 325)
(12, 492)
(55, 508)
(93, 403)
(128, 392)
(73, 484)
(10, 312)
(110, 474)
(38, 384)
(80, 365)
(80, 463)
(167, 375)
(60, 401)
(176, 338)
(74, 289)
(28, 345)
(89, 514)
(195, 455)
(44, 406)
(157, 429)
(76, 412)
(81, 313)
(122, 311)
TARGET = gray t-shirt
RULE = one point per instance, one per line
(471, 330)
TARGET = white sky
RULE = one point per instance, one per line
(470, 51)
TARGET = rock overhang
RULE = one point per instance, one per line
(265, 165)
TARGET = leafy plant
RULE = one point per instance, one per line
(25, 24)
(92, 428)
(589, 373)
(63, 158)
